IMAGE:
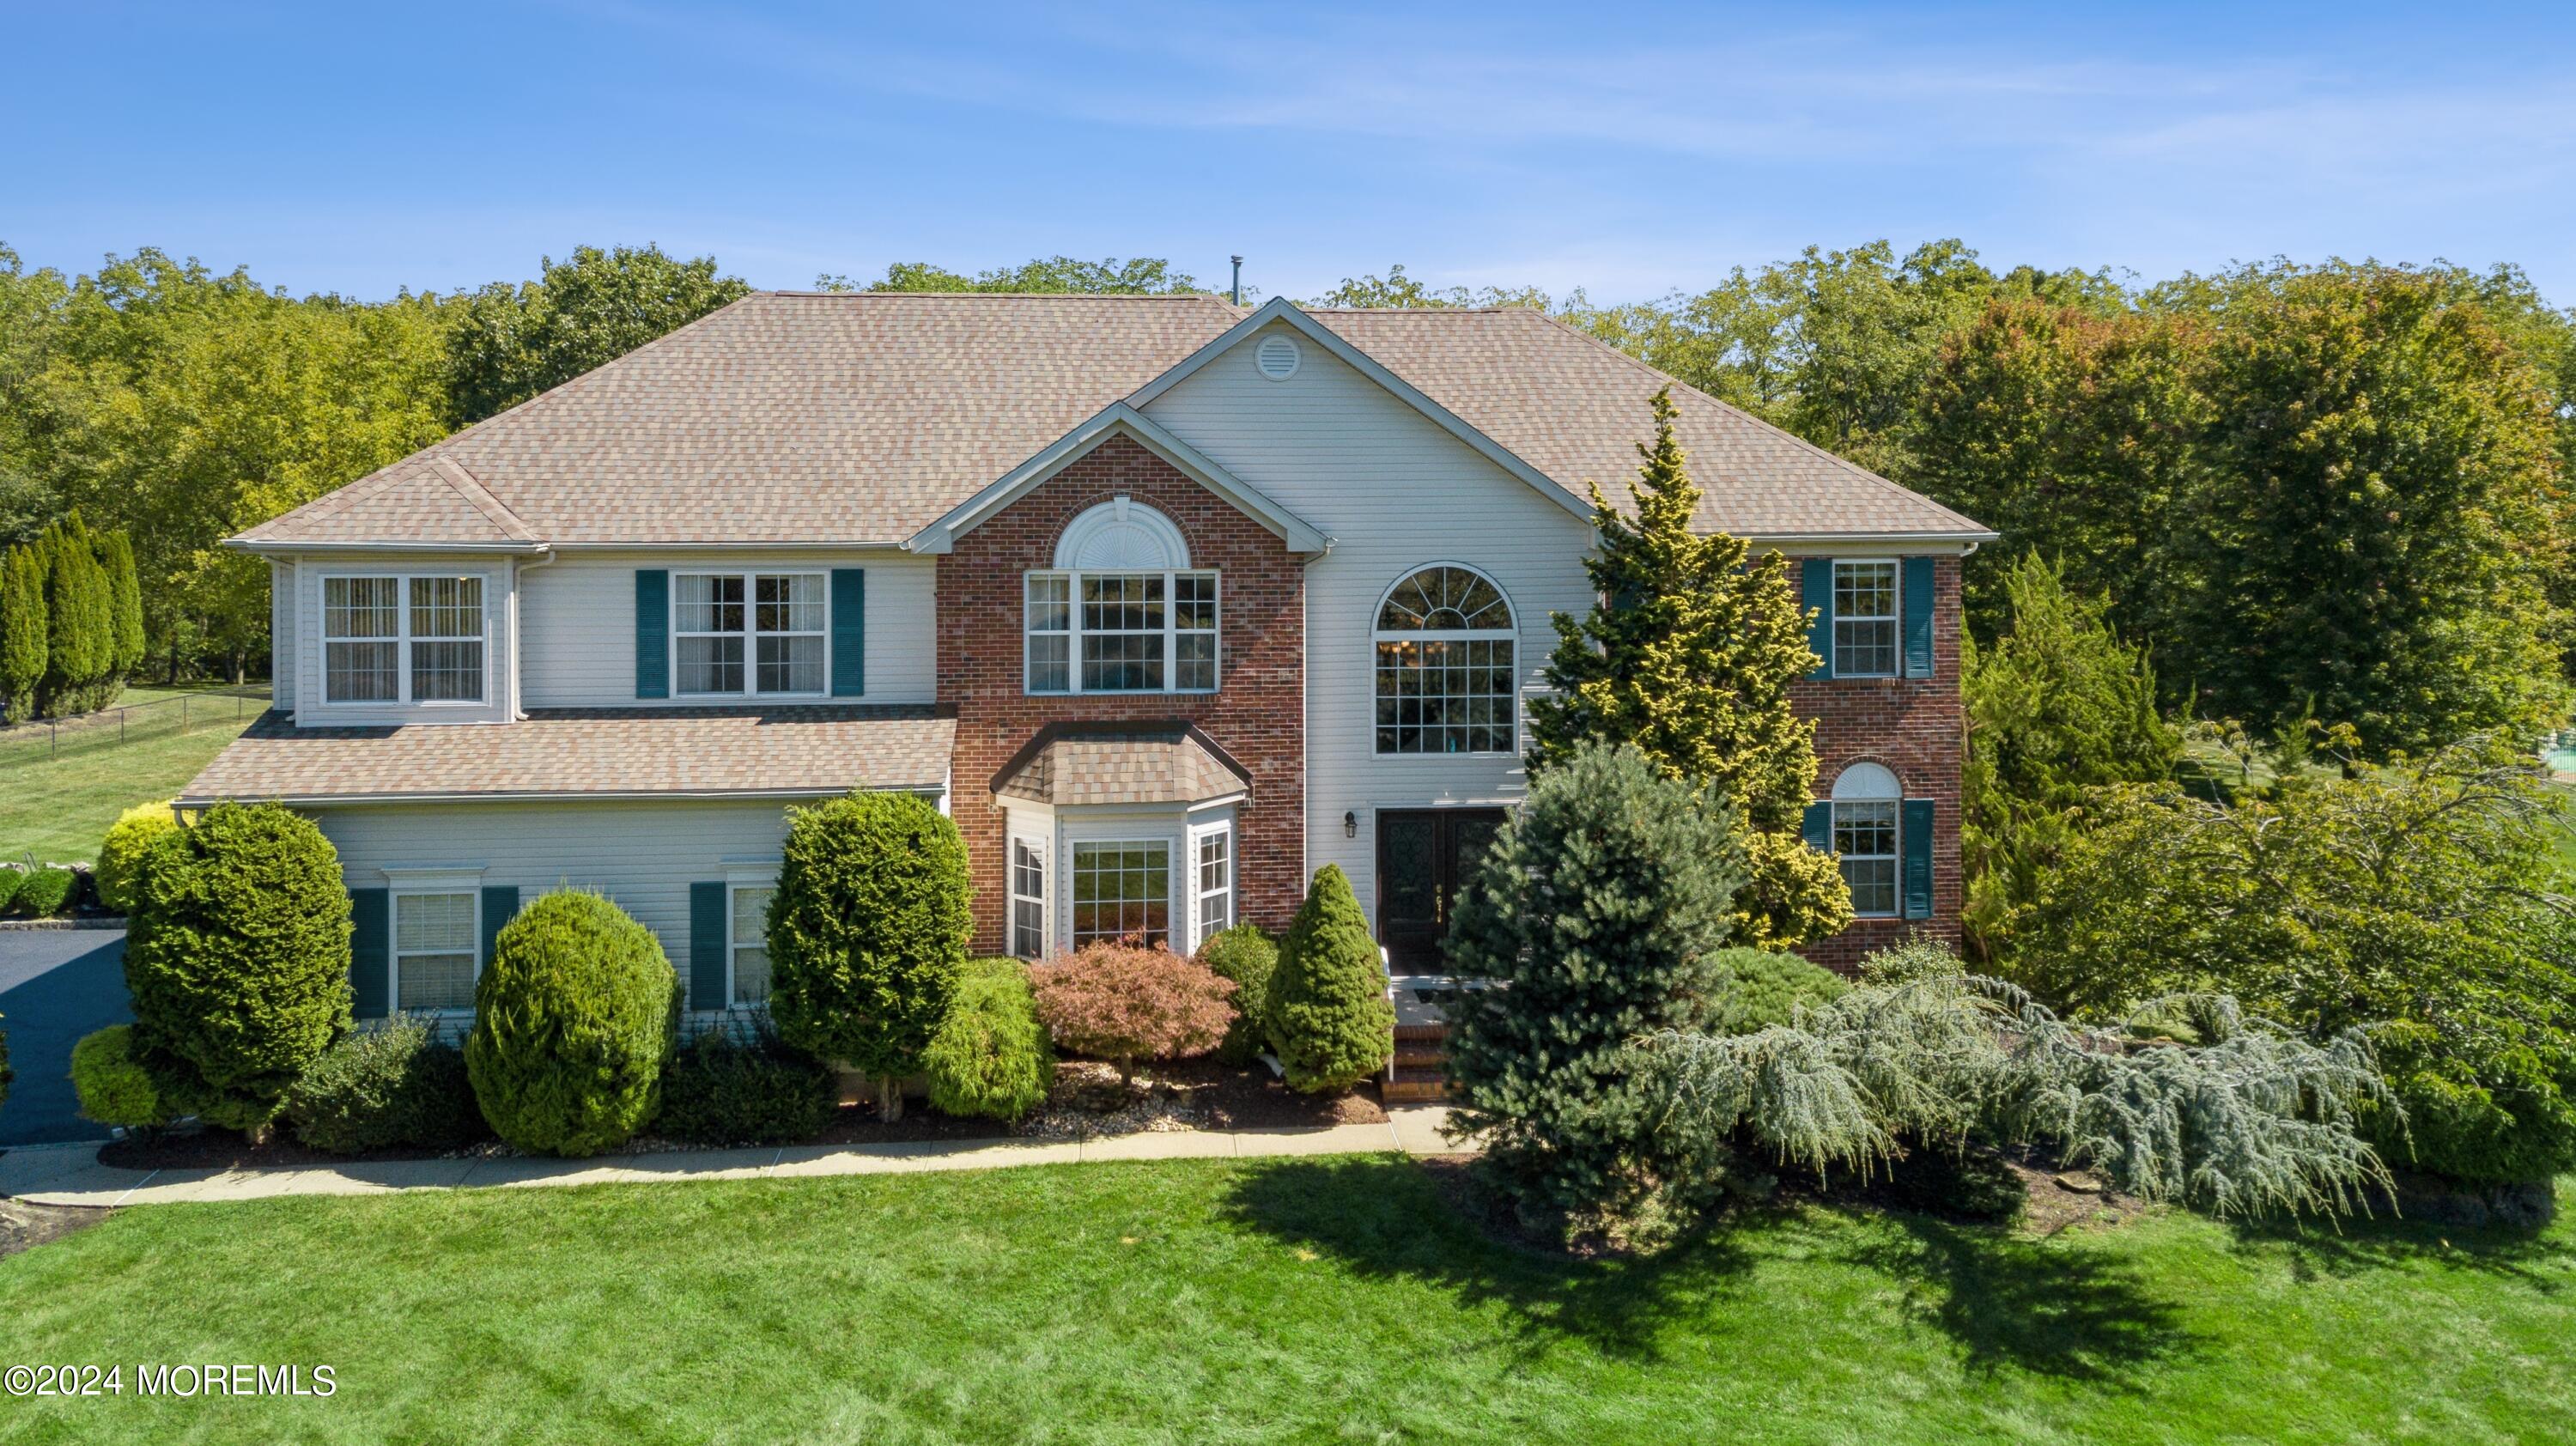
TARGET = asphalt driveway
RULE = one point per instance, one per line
(55, 986)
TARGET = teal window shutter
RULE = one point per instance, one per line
(1918, 617)
(1818, 827)
(849, 632)
(500, 906)
(1818, 585)
(1917, 843)
(652, 633)
(707, 907)
(370, 952)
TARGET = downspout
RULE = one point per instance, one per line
(520, 568)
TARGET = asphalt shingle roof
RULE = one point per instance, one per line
(864, 417)
(1121, 763)
(590, 752)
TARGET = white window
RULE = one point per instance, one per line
(747, 942)
(1122, 889)
(1865, 619)
(1028, 899)
(1446, 674)
(1122, 632)
(749, 634)
(1865, 812)
(402, 639)
(1215, 890)
(435, 943)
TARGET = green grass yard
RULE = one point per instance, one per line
(1321, 1300)
(57, 805)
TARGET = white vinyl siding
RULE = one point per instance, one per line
(578, 617)
(1395, 493)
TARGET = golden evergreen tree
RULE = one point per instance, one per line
(1688, 656)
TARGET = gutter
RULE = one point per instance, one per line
(686, 795)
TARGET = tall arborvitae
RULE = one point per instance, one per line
(23, 648)
(80, 629)
(1688, 657)
(125, 603)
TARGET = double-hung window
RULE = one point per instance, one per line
(1028, 898)
(1215, 891)
(434, 947)
(1865, 619)
(747, 942)
(1121, 632)
(1122, 889)
(394, 639)
(749, 634)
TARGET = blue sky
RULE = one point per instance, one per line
(1627, 148)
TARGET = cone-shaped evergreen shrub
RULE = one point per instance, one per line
(79, 620)
(124, 603)
(119, 855)
(23, 633)
(1602, 909)
(1763, 989)
(237, 959)
(989, 1056)
(1328, 1017)
(1247, 955)
(867, 931)
(573, 1019)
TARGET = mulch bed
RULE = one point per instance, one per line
(1255, 1099)
(24, 1226)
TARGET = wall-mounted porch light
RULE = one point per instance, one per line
(1350, 825)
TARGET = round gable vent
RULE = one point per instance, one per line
(1277, 356)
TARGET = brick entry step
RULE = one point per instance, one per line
(1418, 1069)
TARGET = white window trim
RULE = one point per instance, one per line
(1511, 635)
(1895, 620)
(1876, 784)
(402, 640)
(751, 635)
(1011, 891)
(428, 879)
(1175, 849)
(737, 880)
(1199, 933)
(1074, 632)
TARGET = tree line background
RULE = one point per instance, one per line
(2330, 491)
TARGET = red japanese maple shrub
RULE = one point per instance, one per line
(1123, 1002)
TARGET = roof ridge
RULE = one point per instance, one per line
(803, 292)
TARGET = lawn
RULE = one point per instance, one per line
(58, 804)
(1333, 1299)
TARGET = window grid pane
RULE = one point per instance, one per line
(1865, 619)
(1216, 883)
(1122, 889)
(1439, 696)
(434, 951)
(751, 944)
(1122, 632)
(1865, 837)
(362, 608)
(1028, 901)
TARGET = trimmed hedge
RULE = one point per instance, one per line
(1764, 989)
(46, 892)
(989, 1056)
(726, 1091)
(114, 1087)
(400, 1085)
(1328, 1016)
(10, 881)
(1247, 955)
(238, 961)
(121, 853)
(573, 1019)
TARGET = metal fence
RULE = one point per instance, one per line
(109, 727)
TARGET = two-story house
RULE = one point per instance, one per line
(1168, 603)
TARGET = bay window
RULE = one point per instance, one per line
(1215, 885)
(1121, 632)
(749, 634)
(402, 639)
(1028, 899)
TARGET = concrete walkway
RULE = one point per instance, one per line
(71, 1174)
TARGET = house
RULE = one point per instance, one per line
(1168, 602)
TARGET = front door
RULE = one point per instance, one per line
(1424, 856)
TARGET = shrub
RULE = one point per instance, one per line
(1327, 1015)
(114, 1087)
(121, 853)
(573, 1019)
(1122, 1003)
(47, 891)
(990, 1056)
(11, 880)
(23, 645)
(866, 933)
(238, 961)
(1247, 955)
(378, 1089)
(727, 1091)
(1764, 989)
(1601, 908)
(1963, 1183)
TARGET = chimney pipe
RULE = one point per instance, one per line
(1238, 281)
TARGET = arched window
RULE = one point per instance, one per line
(1122, 611)
(1447, 678)
(1865, 804)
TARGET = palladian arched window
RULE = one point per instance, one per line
(1447, 678)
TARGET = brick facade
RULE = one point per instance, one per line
(1257, 713)
(1916, 728)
